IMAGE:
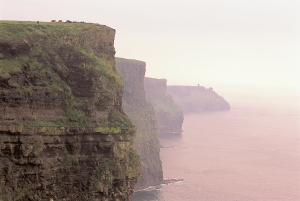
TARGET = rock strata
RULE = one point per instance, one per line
(63, 133)
(142, 115)
(169, 115)
(197, 98)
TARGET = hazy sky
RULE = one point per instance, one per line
(224, 44)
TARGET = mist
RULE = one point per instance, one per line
(247, 51)
(225, 45)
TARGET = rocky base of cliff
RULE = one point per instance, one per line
(66, 165)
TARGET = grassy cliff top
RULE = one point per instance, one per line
(72, 63)
(51, 41)
(29, 28)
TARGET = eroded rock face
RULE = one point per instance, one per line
(197, 99)
(142, 115)
(63, 133)
(169, 115)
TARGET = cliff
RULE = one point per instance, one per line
(169, 115)
(63, 133)
(197, 98)
(141, 113)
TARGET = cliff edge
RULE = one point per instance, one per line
(141, 113)
(63, 133)
(197, 98)
(169, 115)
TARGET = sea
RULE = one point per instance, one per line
(250, 153)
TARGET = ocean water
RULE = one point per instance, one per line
(250, 153)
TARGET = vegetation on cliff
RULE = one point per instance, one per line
(36, 56)
(63, 133)
(169, 115)
(142, 114)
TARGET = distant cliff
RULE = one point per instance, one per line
(197, 98)
(169, 115)
(142, 115)
(63, 133)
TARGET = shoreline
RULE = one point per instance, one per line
(164, 182)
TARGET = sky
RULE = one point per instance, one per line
(230, 45)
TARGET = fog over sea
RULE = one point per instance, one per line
(250, 153)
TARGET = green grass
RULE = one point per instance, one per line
(9, 67)
(42, 50)
(117, 119)
(70, 161)
(168, 107)
(107, 130)
(47, 38)
(101, 65)
(43, 28)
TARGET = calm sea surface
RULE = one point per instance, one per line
(246, 154)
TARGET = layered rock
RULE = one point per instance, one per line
(142, 115)
(197, 98)
(63, 133)
(169, 115)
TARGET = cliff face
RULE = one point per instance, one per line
(142, 115)
(63, 133)
(169, 115)
(197, 98)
